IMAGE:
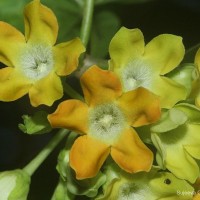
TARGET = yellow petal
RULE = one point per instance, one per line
(100, 86)
(46, 90)
(87, 155)
(197, 59)
(70, 114)
(140, 107)
(126, 45)
(12, 84)
(164, 52)
(66, 56)
(11, 41)
(131, 154)
(196, 197)
(40, 23)
(168, 90)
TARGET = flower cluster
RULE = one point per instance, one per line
(136, 133)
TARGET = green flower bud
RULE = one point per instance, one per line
(36, 124)
(14, 185)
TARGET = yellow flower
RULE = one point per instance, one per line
(104, 122)
(196, 197)
(195, 90)
(33, 63)
(138, 65)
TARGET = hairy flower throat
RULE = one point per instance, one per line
(106, 121)
(37, 62)
(136, 74)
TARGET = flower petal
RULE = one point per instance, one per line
(140, 106)
(46, 90)
(11, 41)
(100, 86)
(40, 23)
(12, 84)
(66, 56)
(169, 91)
(165, 52)
(174, 145)
(87, 156)
(70, 114)
(197, 59)
(131, 154)
(126, 45)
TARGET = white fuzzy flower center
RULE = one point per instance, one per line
(129, 191)
(136, 74)
(37, 61)
(106, 121)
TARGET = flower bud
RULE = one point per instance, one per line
(14, 185)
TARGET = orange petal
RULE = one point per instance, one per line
(66, 56)
(11, 40)
(131, 154)
(87, 155)
(140, 106)
(12, 84)
(70, 114)
(100, 86)
(46, 90)
(40, 23)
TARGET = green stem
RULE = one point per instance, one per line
(71, 92)
(87, 21)
(31, 167)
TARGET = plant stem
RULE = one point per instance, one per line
(71, 92)
(31, 167)
(87, 21)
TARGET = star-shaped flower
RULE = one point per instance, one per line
(104, 121)
(177, 139)
(138, 65)
(196, 89)
(33, 63)
(152, 185)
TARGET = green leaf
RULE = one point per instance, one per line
(68, 13)
(36, 124)
(69, 16)
(105, 25)
(13, 14)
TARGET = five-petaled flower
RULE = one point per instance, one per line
(196, 91)
(33, 63)
(138, 65)
(105, 123)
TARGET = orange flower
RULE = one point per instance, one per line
(104, 122)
